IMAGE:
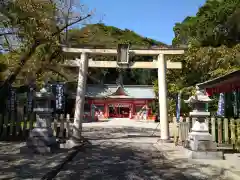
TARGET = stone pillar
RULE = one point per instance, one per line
(80, 96)
(162, 97)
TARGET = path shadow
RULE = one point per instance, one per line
(16, 165)
(114, 161)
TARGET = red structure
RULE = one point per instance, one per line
(113, 101)
(229, 85)
(223, 84)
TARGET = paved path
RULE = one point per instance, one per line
(16, 166)
(124, 152)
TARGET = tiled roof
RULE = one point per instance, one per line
(225, 79)
(100, 90)
(141, 91)
(134, 91)
(108, 90)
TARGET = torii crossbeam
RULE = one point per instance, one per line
(84, 62)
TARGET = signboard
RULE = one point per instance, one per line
(140, 102)
(119, 105)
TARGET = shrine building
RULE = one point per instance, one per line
(118, 101)
(229, 86)
(223, 84)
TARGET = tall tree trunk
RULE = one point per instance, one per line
(11, 78)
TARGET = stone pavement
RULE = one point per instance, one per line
(128, 152)
(16, 165)
(120, 123)
(120, 149)
(228, 168)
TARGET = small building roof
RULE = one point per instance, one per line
(232, 77)
(111, 91)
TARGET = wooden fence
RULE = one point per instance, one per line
(13, 127)
(224, 131)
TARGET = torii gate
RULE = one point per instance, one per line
(122, 53)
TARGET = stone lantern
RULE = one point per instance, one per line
(41, 139)
(200, 143)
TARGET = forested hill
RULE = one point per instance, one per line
(102, 36)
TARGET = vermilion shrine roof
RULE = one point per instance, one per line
(115, 91)
(226, 83)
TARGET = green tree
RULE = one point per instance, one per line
(37, 26)
(212, 38)
(216, 23)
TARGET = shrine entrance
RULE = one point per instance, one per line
(119, 110)
(124, 112)
(123, 53)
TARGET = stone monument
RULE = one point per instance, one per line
(41, 139)
(200, 143)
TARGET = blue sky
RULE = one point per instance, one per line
(150, 18)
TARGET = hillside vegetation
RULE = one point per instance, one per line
(212, 38)
(100, 35)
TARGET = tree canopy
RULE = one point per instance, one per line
(36, 28)
(215, 24)
(212, 38)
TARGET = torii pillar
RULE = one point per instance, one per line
(80, 96)
(162, 98)
(161, 64)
